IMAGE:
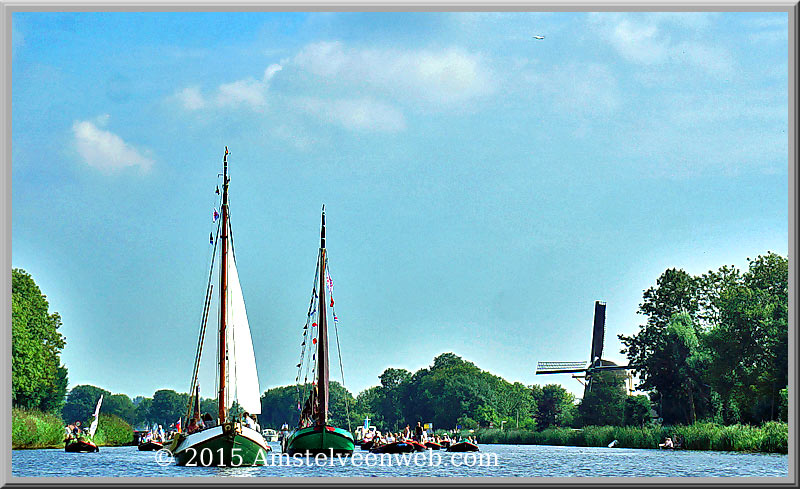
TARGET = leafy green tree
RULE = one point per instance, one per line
(142, 412)
(637, 410)
(167, 407)
(749, 345)
(38, 380)
(555, 406)
(81, 403)
(604, 405)
(393, 383)
(120, 405)
(279, 406)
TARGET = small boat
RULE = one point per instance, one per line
(230, 441)
(83, 442)
(419, 447)
(463, 446)
(432, 445)
(313, 434)
(270, 435)
(368, 444)
(151, 445)
(394, 447)
(80, 445)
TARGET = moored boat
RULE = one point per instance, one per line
(150, 446)
(314, 435)
(463, 446)
(232, 440)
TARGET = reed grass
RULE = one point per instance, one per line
(772, 437)
(35, 429)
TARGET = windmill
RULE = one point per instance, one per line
(596, 363)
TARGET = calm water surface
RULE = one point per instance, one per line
(511, 461)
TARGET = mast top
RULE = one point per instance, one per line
(322, 231)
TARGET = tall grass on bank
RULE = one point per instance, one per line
(35, 429)
(770, 437)
(112, 431)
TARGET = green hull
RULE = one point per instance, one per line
(217, 448)
(316, 439)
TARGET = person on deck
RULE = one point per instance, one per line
(418, 432)
(77, 429)
(192, 427)
(208, 421)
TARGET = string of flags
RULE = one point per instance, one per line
(215, 216)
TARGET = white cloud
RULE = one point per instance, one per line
(441, 77)
(248, 93)
(355, 114)
(643, 38)
(105, 150)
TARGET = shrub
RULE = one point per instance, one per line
(35, 429)
(113, 431)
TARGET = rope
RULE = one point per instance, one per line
(339, 350)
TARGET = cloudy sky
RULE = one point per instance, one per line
(483, 188)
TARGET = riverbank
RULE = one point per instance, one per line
(35, 429)
(771, 437)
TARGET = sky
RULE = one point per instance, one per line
(482, 188)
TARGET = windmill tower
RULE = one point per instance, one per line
(596, 363)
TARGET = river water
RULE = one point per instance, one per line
(491, 461)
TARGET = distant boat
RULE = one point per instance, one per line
(230, 441)
(463, 446)
(151, 445)
(270, 435)
(394, 447)
(313, 434)
(84, 442)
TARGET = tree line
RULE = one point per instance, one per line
(714, 347)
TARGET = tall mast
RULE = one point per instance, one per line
(223, 289)
(322, 342)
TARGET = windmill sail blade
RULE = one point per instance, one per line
(598, 331)
(241, 359)
(560, 367)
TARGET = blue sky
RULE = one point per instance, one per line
(482, 188)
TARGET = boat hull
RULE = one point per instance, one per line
(229, 445)
(463, 446)
(150, 446)
(320, 439)
(80, 446)
(394, 447)
(433, 445)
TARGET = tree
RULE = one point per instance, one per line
(555, 406)
(167, 406)
(637, 410)
(38, 380)
(605, 403)
(393, 383)
(279, 405)
(749, 345)
(120, 405)
(81, 403)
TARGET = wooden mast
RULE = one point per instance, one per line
(322, 341)
(223, 290)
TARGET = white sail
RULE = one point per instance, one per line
(241, 371)
(93, 427)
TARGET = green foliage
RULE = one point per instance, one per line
(637, 410)
(715, 347)
(120, 405)
(771, 437)
(167, 407)
(35, 429)
(38, 380)
(112, 431)
(81, 402)
(555, 406)
(605, 403)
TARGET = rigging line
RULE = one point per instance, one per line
(341, 369)
(203, 323)
(311, 337)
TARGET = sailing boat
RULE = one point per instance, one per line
(83, 442)
(231, 441)
(314, 435)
